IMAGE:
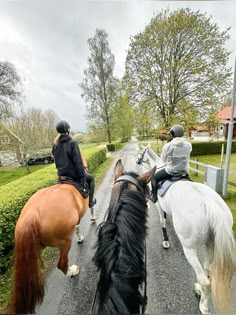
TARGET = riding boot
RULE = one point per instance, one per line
(154, 190)
(92, 200)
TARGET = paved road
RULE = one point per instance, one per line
(170, 278)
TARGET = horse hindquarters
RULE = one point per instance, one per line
(28, 289)
(223, 263)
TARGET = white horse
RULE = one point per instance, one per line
(200, 218)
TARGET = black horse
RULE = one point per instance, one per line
(120, 248)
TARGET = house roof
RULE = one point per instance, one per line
(200, 127)
(224, 114)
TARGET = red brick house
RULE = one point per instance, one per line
(224, 116)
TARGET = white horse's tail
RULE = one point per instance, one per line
(224, 254)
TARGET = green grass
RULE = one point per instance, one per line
(8, 173)
(49, 255)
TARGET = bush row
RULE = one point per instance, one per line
(15, 194)
(114, 146)
(204, 148)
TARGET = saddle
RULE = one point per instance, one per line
(67, 180)
(164, 185)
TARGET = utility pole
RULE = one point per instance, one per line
(229, 137)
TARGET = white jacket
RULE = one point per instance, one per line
(175, 154)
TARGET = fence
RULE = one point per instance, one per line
(197, 171)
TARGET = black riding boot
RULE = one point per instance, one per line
(90, 181)
(154, 190)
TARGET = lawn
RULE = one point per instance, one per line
(10, 173)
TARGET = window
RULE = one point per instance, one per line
(5, 139)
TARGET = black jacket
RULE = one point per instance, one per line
(68, 159)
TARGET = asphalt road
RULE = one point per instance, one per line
(169, 276)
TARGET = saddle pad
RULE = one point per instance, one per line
(164, 186)
(77, 185)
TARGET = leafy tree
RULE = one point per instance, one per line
(123, 118)
(179, 57)
(145, 119)
(10, 88)
(99, 84)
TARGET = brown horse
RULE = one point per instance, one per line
(47, 219)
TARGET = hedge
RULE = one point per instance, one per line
(204, 148)
(15, 194)
(114, 146)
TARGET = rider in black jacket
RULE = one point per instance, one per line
(68, 158)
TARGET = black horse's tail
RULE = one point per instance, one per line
(119, 256)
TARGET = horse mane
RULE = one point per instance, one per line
(120, 252)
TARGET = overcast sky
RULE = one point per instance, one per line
(47, 42)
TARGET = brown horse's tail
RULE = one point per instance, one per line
(28, 289)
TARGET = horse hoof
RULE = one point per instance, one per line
(72, 271)
(197, 288)
(80, 239)
(93, 218)
(204, 309)
(166, 244)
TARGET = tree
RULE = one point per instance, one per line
(99, 84)
(122, 118)
(145, 119)
(180, 56)
(10, 88)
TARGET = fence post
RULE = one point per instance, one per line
(196, 173)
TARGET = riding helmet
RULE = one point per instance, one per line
(63, 127)
(177, 131)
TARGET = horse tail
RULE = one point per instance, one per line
(224, 253)
(28, 287)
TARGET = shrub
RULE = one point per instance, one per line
(204, 148)
(114, 146)
(15, 194)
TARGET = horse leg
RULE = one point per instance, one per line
(63, 261)
(162, 215)
(79, 237)
(202, 287)
(93, 217)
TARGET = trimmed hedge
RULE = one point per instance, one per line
(204, 148)
(114, 146)
(15, 194)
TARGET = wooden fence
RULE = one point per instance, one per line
(197, 171)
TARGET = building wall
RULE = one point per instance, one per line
(11, 145)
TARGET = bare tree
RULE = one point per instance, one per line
(10, 88)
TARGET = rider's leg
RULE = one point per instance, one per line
(90, 181)
(159, 176)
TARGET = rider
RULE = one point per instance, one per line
(69, 161)
(175, 154)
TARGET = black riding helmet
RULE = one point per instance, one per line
(63, 127)
(177, 131)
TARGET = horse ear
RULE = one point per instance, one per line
(146, 177)
(119, 169)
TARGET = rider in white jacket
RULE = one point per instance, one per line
(175, 154)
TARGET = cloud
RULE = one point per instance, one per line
(47, 42)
